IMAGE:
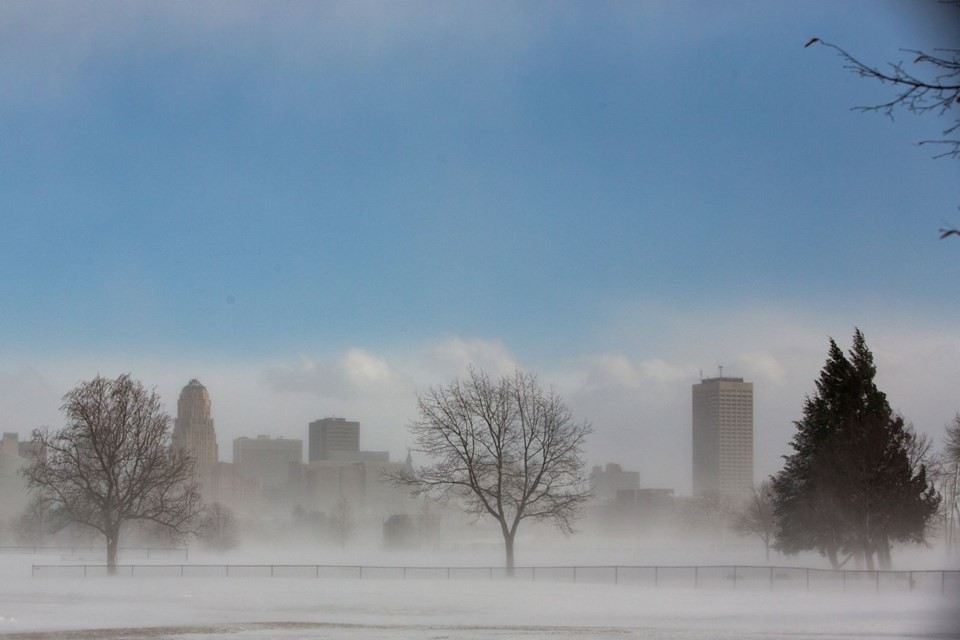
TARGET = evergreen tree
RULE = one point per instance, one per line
(850, 488)
(808, 516)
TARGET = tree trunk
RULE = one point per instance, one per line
(508, 543)
(832, 556)
(883, 554)
(113, 539)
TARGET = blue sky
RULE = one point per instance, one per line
(274, 188)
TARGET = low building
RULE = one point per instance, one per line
(330, 435)
(606, 482)
(267, 458)
(236, 491)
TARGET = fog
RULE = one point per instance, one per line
(324, 209)
(317, 590)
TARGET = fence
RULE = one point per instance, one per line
(731, 577)
(123, 552)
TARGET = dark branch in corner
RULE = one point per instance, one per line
(933, 87)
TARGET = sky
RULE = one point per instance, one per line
(323, 208)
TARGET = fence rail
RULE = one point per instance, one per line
(731, 577)
(138, 552)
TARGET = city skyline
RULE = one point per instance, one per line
(322, 210)
(660, 452)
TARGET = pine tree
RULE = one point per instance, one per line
(808, 516)
(850, 488)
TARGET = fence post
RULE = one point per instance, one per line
(84, 571)
(271, 571)
(911, 580)
(656, 576)
(404, 573)
(734, 577)
(227, 568)
(491, 573)
(943, 581)
(148, 553)
(771, 578)
(534, 574)
(574, 574)
(808, 578)
(361, 573)
(316, 571)
(181, 571)
(616, 575)
(131, 570)
(696, 576)
(448, 573)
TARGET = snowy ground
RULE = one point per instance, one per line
(302, 608)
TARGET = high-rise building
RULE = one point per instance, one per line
(333, 434)
(193, 430)
(267, 458)
(13, 486)
(722, 436)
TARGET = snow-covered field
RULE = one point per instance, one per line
(391, 609)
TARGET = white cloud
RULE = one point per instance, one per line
(611, 370)
(29, 399)
(351, 373)
(450, 358)
(762, 365)
(664, 372)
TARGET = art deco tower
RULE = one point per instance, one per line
(193, 430)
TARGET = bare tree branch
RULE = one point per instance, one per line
(505, 448)
(929, 85)
(756, 518)
(112, 464)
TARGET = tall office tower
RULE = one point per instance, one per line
(193, 430)
(722, 436)
(333, 434)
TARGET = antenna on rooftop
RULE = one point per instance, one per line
(721, 370)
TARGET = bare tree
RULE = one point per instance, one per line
(112, 463)
(951, 484)
(342, 521)
(756, 518)
(507, 448)
(708, 515)
(920, 451)
(929, 85)
(32, 524)
(218, 527)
